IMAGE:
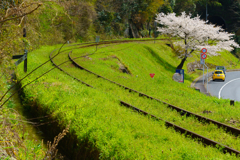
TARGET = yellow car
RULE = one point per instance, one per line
(218, 74)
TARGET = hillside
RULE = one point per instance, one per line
(54, 22)
(108, 129)
(101, 127)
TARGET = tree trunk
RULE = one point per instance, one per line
(134, 30)
(182, 63)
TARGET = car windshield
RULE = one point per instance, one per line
(220, 67)
(218, 72)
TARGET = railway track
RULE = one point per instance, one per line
(203, 139)
(228, 128)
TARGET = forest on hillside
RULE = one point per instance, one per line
(56, 21)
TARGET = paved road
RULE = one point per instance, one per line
(230, 89)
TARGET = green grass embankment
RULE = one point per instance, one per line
(111, 129)
(143, 103)
(158, 59)
(151, 106)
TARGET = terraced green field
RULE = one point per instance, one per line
(114, 131)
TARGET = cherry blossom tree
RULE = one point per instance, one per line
(195, 34)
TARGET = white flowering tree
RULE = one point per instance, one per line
(195, 34)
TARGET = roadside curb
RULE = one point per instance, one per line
(197, 79)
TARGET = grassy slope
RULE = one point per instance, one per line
(142, 59)
(103, 124)
(110, 65)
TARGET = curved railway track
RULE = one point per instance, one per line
(200, 118)
(228, 128)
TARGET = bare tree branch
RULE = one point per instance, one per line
(8, 19)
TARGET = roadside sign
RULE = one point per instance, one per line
(203, 56)
(24, 56)
(181, 75)
(152, 74)
(21, 59)
(97, 38)
(204, 50)
(16, 56)
(202, 61)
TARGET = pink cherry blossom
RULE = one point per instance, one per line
(195, 34)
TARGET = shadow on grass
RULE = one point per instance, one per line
(164, 63)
